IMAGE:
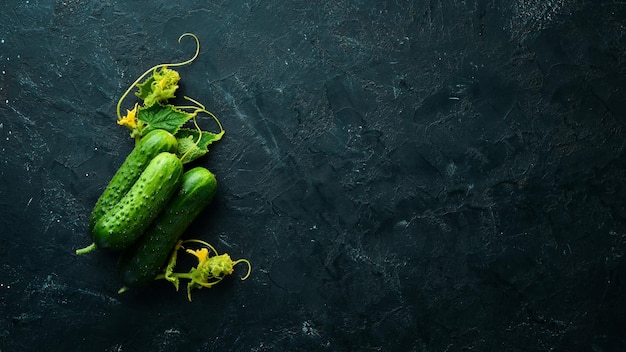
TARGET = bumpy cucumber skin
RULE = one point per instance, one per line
(149, 146)
(122, 225)
(145, 259)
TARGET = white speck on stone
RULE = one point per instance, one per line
(403, 223)
(450, 169)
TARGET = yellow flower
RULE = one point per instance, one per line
(130, 120)
(215, 267)
(201, 254)
(163, 83)
(209, 272)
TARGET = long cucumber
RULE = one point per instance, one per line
(143, 261)
(149, 146)
(122, 225)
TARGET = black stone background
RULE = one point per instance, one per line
(403, 175)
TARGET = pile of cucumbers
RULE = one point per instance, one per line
(147, 206)
(151, 200)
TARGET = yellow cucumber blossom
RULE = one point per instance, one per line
(201, 254)
(210, 270)
(215, 267)
(130, 120)
(162, 87)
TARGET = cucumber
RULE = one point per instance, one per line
(149, 146)
(122, 225)
(145, 259)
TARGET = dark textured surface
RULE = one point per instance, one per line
(403, 176)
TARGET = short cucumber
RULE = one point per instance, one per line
(122, 225)
(146, 258)
(149, 146)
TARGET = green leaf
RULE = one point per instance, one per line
(159, 87)
(145, 88)
(189, 148)
(157, 116)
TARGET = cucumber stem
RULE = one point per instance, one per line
(174, 275)
(86, 250)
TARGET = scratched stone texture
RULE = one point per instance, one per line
(403, 175)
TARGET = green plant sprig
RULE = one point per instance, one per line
(154, 68)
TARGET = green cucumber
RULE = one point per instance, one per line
(122, 225)
(145, 259)
(149, 146)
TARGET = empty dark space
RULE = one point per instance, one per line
(403, 175)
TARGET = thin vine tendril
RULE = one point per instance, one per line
(198, 108)
(175, 64)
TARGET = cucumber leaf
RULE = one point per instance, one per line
(159, 87)
(165, 117)
(189, 148)
(145, 88)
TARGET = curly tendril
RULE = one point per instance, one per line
(198, 108)
(175, 64)
(210, 270)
